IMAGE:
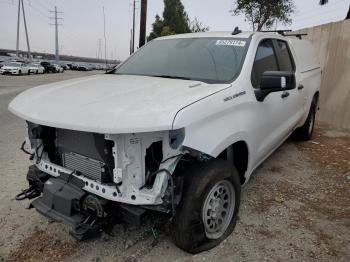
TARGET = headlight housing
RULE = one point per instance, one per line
(176, 137)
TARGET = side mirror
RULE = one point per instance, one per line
(275, 81)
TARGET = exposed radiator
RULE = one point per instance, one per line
(85, 166)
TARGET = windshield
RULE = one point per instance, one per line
(13, 64)
(212, 60)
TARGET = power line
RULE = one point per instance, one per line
(44, 6)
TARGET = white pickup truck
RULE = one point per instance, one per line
(177, 128)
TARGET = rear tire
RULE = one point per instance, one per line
(304, 133)
(211, 193)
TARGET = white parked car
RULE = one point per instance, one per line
(14, 68)
(36, 68)
(177, 128)
(58, 68)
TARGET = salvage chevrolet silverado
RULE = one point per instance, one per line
(177, 128)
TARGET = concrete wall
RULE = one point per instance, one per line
(332, 43)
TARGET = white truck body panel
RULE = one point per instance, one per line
(213, 116)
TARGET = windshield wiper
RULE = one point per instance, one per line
(172, 77)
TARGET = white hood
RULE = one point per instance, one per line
(110, 103)
(10, 67)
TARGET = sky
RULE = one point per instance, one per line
(82, 23)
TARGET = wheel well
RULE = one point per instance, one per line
(316, 98)
(238, 154)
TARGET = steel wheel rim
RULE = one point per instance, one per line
(218, 209)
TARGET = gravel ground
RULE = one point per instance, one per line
(296, 207)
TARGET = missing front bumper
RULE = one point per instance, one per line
(61, 202)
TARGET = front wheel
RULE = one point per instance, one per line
(207, 213)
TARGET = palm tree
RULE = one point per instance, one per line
(323, 2)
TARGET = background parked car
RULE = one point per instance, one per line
(49, 68)
(58, 68)
(36, 68)
(14, 68)
(74, 66)
(84, 68)
(64, 66)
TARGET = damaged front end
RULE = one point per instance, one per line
(87, 180)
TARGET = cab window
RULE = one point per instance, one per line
(265, 60)
(284, 56)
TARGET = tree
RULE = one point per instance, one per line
(175, 21)
(264, 13)
(157, 28)
(197, 26)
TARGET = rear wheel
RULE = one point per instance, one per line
(19, 72)
(304, 133)
(209, 207)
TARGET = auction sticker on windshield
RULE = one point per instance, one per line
(230, 42)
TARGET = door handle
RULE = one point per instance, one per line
(285, 94)
(300, 87)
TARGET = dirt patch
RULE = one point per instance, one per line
(39, 246)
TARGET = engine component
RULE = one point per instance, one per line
(86, 153)
(85, 166)
(92, 204)
(61, 202)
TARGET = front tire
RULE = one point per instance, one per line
(207, 213)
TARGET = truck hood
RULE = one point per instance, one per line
(110, 103)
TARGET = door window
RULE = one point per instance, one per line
(284, 56)
(265, 60)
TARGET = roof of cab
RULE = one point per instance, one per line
(217, 34)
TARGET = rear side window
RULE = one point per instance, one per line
(265, 60)
(284, 56)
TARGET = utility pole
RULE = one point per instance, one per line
(99, 54)
(143, 21)
(104, 33)
(18, 22)
(131, 42)
(25, 27)
(133, 28)
(56, 24)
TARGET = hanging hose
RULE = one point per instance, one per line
(29, 193)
